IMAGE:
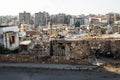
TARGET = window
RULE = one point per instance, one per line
(12, 38)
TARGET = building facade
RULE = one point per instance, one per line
(9, 37)
(79, 21)
(24, 17)
(41, 19)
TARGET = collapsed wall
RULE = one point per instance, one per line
(108, 45)
(79, 49)
(71, 49)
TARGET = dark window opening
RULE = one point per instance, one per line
(12, 40)
(62, 47)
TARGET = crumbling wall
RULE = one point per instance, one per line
(59, 48)
(81, 49)
(71, 49)
(98, 44)
(85, 47)
(115, 47)
(106, 45)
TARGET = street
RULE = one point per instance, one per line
(47, 74)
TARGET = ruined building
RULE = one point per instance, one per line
(9, 37)
(84, 47)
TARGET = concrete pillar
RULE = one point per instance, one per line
(4, 40)
(16, 39)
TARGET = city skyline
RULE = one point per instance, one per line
(73, 7)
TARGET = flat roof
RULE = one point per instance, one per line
(25, 42)
(8, 28)
(5, 26)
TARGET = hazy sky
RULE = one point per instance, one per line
(75, 7)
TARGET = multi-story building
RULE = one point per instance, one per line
(61, 18)
(67, 19)
(41, 19)
(72, 21)
(8, 20)
(24, 17)
(117, 17)
(94, 20)
(81, 21)
(112, 18)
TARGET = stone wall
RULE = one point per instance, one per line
(71, 49)
(86, 47)
(39, 59)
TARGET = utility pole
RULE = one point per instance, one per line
(51, 27)
(46, 19)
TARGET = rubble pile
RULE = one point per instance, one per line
(40, 49)
(106, 45)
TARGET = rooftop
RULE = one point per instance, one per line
(5, 26)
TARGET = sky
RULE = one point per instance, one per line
(73, 7)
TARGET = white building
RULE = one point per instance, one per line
(82, 20)
(109, 30)
(9, 37)
(86, 21)
(72, 21)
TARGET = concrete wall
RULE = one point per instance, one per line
(8, 29)
(1, 39)
(6, 40)
(7, 32)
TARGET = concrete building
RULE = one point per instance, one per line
(81, 21)
(41, 19)
(72, 21)
(112, 18)
(94, 20)
(8, 20)
(67, 19)
(116, 18)
(9, 37)
(24, 17)
(4, 20)
(61, 18)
